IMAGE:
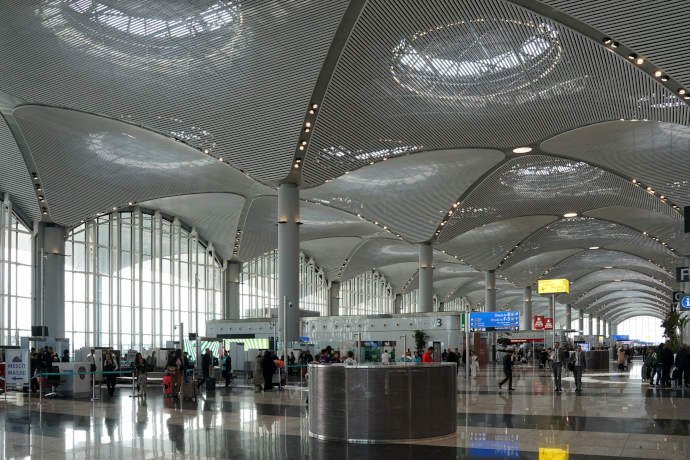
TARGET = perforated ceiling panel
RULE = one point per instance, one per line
(330, 253)
(215, 216)
(410, 194)
(582, 233)
(650, 152)
(643, 300)
(449, 73)
(592, 280)
(260, 233)
(573, 267)
(398, 274)
(377, 253)
(528, 271)
(442, 271)
(89, 164)
(232, 77)
(485, 247)
(651, 28)
(667, 229)
(539, 185)
(14, 178)
(624, 288)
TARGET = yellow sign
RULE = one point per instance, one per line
(554, 286)
(554, 453)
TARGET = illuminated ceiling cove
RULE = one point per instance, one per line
(539, 139)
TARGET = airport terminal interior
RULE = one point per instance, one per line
(325, 229)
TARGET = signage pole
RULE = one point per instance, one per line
(553, 318)
(467, 343)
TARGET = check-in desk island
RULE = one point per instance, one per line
(376, 402)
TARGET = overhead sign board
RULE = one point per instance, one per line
(548, 324)
(538, 323)
(677, 296)
(682, 274)
(495, 321)
(620, 337)
(554, 286)
(684, 303)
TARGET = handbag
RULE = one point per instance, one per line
(171, 370)
(571, 366)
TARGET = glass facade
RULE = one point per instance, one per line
(366, 294)
(259, 286)
(411, 300)
(131, 277)
(644, 329)
(16, 275)
(457, 304)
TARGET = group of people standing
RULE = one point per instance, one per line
(659, 362)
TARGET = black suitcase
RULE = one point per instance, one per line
(210, 384)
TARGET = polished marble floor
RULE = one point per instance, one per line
(617, 416)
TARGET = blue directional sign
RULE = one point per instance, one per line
(620, 337)
(685, 302)
(495, 321)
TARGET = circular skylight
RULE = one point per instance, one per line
(475, 58)
(135, 33)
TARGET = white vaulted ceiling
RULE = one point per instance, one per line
(397, 120)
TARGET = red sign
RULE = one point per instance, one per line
(538, 322)
(525, 340)
(548, 324)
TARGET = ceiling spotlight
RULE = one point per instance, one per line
(681, 91)
(632, 56)
(522, 150)
(664, 78)
(307, 124)
(649, 189)
(634, 181)
(45, 212)
(130, 203)
(657, 73)
(38, 187)
(606, 40)
(639, 61)
(594, 247)
(306, 130)
(315, 106)
(301, 147)
(304, 142)
(205, 150)
(570, 214)
(608, 267)
(614, 44)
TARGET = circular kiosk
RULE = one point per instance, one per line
(374, 402)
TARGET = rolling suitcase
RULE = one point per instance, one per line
(189, 389)
(210, 384)
(167, 385)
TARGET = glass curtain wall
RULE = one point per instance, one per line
(644, 329)
(259, 286)
(131, 277)
(366, 294)
(411, 300)
(457, 304)
(16, 275)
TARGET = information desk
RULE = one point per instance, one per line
(377, 402)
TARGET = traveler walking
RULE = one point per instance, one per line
(508, 371)
(227, 368)
(579, 366)
(474, 364)
(268, 367)
(557, 364)
(683, 364)
(206, 367)
(667, 363)
(258, 373)
(110, 379)
(621, 359)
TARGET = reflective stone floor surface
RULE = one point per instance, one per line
(616, 416)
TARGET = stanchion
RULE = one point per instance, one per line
(93, 387)
(134, 395)
(40, 388)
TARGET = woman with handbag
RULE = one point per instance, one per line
(110, 365)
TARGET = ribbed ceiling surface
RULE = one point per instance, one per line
(410, 194)
(14, 178)
(260, 232)
(215, 216)
(539, 185)
(330, 253)
(442, 271)
(527, 272)
(624, 288)
(89, 164)
(600, 277)
(581, 233)
(485, 247)
(653, 153)
(446, 73)
(232, 77)
(653, 29)
(573, 267)
(377, 253)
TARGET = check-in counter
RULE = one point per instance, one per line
(77, 386)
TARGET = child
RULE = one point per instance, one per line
(143, 379)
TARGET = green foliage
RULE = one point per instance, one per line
(670, 326)
(420, 340)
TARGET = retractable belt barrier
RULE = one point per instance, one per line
(93, 382)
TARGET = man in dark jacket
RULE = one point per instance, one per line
(666, 363)
(451, 357)
(206, 366)
(683, 364)
(508, 370)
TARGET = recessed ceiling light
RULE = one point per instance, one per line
(614, 44)
(681, 91)
(594, 247)
(608, 267)
(639, 61)
(632, 56)
(570, 214)
(522, 150)
(657, 73)
(664, 78)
